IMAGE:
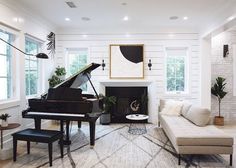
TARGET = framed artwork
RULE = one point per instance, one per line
(126, 61)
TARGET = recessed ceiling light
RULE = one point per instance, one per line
(230, 18)
(173, 17)
(85, 35)
(185, 18)
(126, 18)
(85, 18)
(67, 19)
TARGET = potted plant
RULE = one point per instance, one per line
(57, 77)
(54, 80)
(218, 90)
(108, 102)
(60, 72)
(4, 118)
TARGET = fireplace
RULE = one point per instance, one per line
(130, 100)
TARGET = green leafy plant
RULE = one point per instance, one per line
(54, 80)
(4, 116)
(218, 90)
(60, 71)
(108, 101)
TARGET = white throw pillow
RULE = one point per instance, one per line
(199, 116)
(172, 108)
(185, 108)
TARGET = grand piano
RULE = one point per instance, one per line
(65, 102)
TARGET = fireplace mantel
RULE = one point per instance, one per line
(126, 82)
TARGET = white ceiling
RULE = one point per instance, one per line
(143, 14)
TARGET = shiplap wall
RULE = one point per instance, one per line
(154, 49)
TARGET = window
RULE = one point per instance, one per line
(31, 67)
(5, 66)
(176, 70)
(76, 59)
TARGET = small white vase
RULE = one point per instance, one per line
(63, 77)
(4, 123)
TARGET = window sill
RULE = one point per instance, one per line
(32, 96)
(9, 104)
(183, 94)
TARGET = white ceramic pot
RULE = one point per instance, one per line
(4, 123)
(63, 77)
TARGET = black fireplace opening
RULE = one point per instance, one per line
(129, 100)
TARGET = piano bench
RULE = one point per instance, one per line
(41, 136)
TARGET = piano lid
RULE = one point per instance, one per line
(79, 78)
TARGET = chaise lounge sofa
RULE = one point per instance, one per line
(190, 132)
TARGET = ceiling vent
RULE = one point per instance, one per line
(71, 4)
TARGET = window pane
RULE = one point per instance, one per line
(4, 88)
(180, 84)
(170, 70)
(33, 83)
(76, 59)
(3, 66)
(175, 69)
(171, 84)
(31, 67)
(180, 70)
(170, 60)
(3, 46)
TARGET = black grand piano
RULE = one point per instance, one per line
(65, 102)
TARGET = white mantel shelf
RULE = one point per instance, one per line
(126, 82)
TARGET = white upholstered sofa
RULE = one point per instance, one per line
(190, 132)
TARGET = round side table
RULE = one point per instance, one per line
(135, 128)
(10, 126)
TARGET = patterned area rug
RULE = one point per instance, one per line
(115, 148)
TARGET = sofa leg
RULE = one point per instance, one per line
(179, 159)
(231, 160)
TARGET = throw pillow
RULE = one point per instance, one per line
(172, 108)
(185, 108)
(199, 116)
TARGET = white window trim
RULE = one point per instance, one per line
(187, 91)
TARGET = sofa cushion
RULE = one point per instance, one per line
(199, 116)
(172, 108)
(181, 132)
(185, 108)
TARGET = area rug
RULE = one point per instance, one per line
(115, 148)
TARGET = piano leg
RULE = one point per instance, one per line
(92, 125)
(37, 123)
(66, 141)
(79, 124)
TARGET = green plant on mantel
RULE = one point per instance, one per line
(4, 116)
(218, 90)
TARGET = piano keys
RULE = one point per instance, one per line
(65, 102)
